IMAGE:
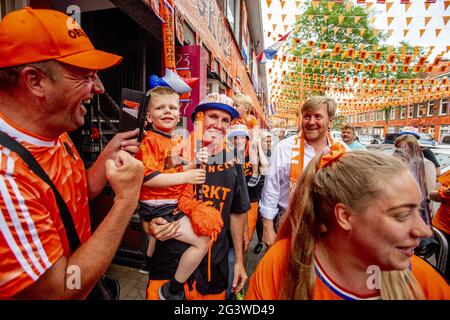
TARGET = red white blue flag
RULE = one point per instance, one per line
(271, 51)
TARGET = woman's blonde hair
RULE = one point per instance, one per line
(354, 179)
(244, 100)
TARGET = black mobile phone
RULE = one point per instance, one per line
(133, 109)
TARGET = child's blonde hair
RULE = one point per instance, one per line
(160, 92)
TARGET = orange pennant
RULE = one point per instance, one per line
(389, 20)
(446, 20)
(362, 31)
(340, 19)
(408, 20)
(269, 2)
(427, 19)
(437, 32)
(282, 3)
(405, 32)
(421, 32)
(388, 6)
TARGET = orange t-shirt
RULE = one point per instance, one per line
(32, 235)
(249, 121)
(441, 219)
(158, 156)
(267, 280)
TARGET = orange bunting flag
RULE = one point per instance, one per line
(389, 20)
(282, 3)
(391, 58)
(421, 32)
(388, 6)
(340, 19)
(362, 31)
(407, 60)
(377, 55)
(335, 29)
(405, 32)
(437, 32)
(337, 49)
(268, 3)
(436, 61)
(427, 19)
(421, 61)
(446, 20)
(363, 55)
(357, 18)
(446, 4)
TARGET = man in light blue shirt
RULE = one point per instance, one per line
(348, 136)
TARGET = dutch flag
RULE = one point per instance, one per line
(271, 51)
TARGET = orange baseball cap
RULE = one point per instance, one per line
(33, 35)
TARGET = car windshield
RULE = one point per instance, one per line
(425, 136)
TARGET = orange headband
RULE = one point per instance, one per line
(336, 150)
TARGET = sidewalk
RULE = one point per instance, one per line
(133, 284)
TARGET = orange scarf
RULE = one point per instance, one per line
(298, 156)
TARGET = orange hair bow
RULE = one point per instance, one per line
(336, 150)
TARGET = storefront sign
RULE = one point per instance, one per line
(191, 63)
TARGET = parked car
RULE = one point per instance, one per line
(367, 139)
(425, 139)
(336, 135)
(446, 139)
(442, 154)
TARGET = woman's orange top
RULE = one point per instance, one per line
(267, 280)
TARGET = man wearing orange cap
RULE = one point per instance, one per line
(48, 70)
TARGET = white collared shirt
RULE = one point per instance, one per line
(277, 183)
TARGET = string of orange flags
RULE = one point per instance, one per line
(368, 55)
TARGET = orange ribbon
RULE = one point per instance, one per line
(336, 150)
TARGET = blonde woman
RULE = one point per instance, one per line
(243, 103)
(352, 226)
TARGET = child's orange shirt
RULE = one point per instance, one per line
(157, 154)
(249, 121)
(267, 280)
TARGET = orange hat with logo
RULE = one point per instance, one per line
(33, 35)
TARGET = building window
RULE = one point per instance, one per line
(443, 107)
(419, 110)
(233, 14)
(424, 129)
(365, 117)
(384, 115)
(392, 116)
(411, 111)
(430, 110)
(360, 118)
(371, 116)
(402, 112)
(431, 130)
(378, 116)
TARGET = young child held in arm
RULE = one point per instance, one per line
(168, 184)
(243, 104)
